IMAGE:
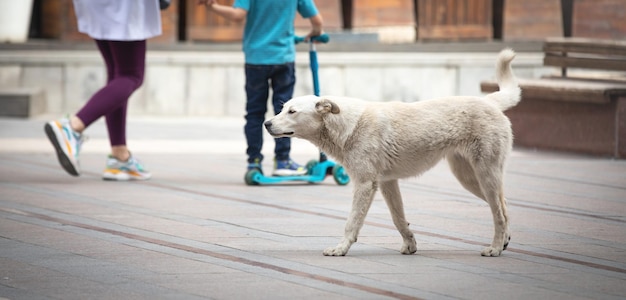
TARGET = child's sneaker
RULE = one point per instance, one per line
(66, 143)
(288, 168)
(123, 171)
(255, 165)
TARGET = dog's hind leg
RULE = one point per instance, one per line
(361, 202)
(469, 178)
(465, 174)
(393, 197)
(490, 180)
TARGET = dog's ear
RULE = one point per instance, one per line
(325, 106)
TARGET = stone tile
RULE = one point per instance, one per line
(364, 82)
(53, 80)
(165, 84)
(235, 97)
(10, 76)
(207, 88)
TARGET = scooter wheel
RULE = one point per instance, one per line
(340, 175)
(250, 175)
(310, 165)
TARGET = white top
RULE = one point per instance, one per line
(118, 20)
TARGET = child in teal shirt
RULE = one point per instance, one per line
(268, 45)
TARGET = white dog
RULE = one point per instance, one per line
(381, 142)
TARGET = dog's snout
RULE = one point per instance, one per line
(268, 124)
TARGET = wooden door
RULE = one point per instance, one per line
(603, 19)
(454, 19)
(532, 19)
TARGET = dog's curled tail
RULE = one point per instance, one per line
(510, 92)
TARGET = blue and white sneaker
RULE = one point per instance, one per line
(132, 169)
(256, 165)
(288, 168)
(66, 142)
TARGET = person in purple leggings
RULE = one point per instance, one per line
(120, 30)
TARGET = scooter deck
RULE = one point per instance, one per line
(317, 172)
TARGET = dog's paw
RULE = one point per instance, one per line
(506, 243)
(409, 248)
(335, 251)
(491, 251)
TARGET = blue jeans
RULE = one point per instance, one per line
(282, 79)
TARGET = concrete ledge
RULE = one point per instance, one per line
(202, 83)
(22, 102)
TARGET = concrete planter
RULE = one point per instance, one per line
(15, 20)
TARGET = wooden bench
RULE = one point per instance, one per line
(582, 109)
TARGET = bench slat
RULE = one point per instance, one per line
(584, 62)
(584, 45)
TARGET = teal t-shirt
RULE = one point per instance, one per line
(269, 30)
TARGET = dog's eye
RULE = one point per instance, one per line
(292, 111)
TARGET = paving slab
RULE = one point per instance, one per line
(197, 231)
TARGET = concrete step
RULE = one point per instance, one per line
(22, 102)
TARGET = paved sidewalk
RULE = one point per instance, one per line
(196, 231)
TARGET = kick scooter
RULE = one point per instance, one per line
(317, 170)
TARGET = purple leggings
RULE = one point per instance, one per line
(125, 62)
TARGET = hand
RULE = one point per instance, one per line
(314, 32)
(207, 3)
(316, 26)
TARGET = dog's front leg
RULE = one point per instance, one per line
(391, 193)
(361, 202)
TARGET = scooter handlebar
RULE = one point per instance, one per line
(323, 38)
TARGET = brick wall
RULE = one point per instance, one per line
(435, 20)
